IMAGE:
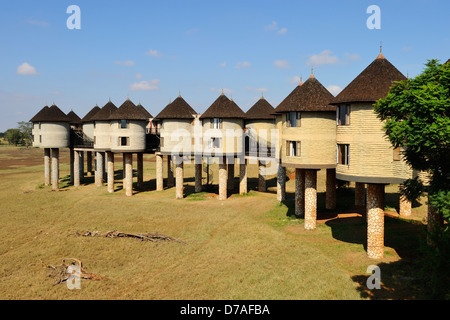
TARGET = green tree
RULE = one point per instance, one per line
(417, 118)
(25, 129)
(14, 136)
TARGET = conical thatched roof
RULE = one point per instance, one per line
(129, 111)
(223, 108)
(372, 84)
(74, 118)
(104, 113)
(309, 96)
(40, 115)
(178, 109)
(261, 110)
(90, 114)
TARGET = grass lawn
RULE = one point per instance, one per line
(247, 247)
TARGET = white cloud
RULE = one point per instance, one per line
(352, 56)
(244, 64)
(128, 63)
(271, 27)
(39, 23)
(154, 53)
(151, 85)
(281, 64)
(295, 80)
(335, 90)
(138, 76)
(282, 31)
(26, 69)
(223, 64)
(325, 57)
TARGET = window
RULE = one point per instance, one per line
(39, 125)
(216, 123)
(123, 124)
(124, 141)
(94, 124)
(343, 115)
(293, 148)
(215, 143)
(162, 142)
(397, 154)
(94, 140)
(343, 154)
(40, 138)
(32, 137)
(293, 119)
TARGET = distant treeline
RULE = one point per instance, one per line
(19, 136)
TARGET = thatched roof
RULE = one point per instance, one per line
(90, 114)
(40, 115)
(129, 111)
(223, 108)
(261, 110)
(448, 61)
(309, 96)
(372, 84)
(74, 118)
(148, 114)
(104, 113)
(52, 114)
(178, 109)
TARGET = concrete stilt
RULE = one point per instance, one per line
(281, 183)
(47, 166)
(360, 195)
(159, 173)
(405, 206)
(198, 174)
(99, 169)
(375, 221)
(129, 174)
(110, 166)
(71, 159)
(179, 178)
(170, 180)
(223, 179)
(76, 168)
(243, 176)
(262, 185)
(89, 163)
(331, 189)
(55, 168)
(124, 172)
(140, 170)
(230, 178)
(300, 193)
(310, 199)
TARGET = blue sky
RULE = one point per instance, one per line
(150, 51)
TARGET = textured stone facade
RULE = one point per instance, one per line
(243, 177)
(110, 166)
(310, 199)
(281, 183)
(159, 173)
(375, 221)
(300, 193)
(405, 207)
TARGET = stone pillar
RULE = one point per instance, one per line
(243, 176)
(262, 186)
(281, 183)
(159, 173)
(360, 194)
(331, 189)
(405, 206)
(110, 166)
(129, 174)
(300, 193)
(223, 179)
(230, 179)
(124, 172)
(55, 168)
(71, 159)
(170, 181)
(179, 177)
(375, 221)
(198, 174)
(140, 170)
(89, 163)
(47, 166)
(76, 168)
(310, 199)
(99, 169)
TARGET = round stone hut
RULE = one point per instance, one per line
(88, 124)
(102, 126)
